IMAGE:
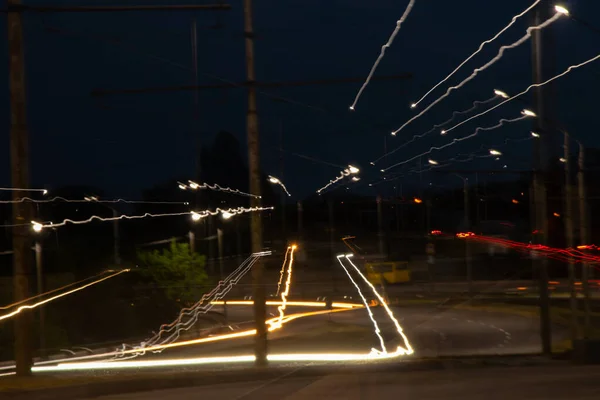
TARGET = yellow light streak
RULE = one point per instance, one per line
(287, 251)
(286, 292)
(51, 291)
(32, 306)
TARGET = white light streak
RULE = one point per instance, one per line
(561, 10)
(282, 271)
(382, 53)
(495, 152)
(351, 170)
(278, 323)
(188, 316)
(408, 348)
(197, 186)
(501, 93)
(458, 140)
(6, 189)
(528, 113)
(94, 200)
(366, 303)
(535, 85)
(48, 300)
(432, 162)
(196, 216)
(277, 181)
(535, 135)
(476, 71)
(475, 105)
(512, 21)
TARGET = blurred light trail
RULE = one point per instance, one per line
(6, 189)
(191, 185)
(209, 339)
(535, 85)
(114, 365)
(382, 53)
(401, 350)
(511, 23)
(52, 291)
(476, 104)
(277, 324)
(195, 214)
(91, 200)
(205, 303)
(366, 303)
(276, 181)
(351, 170)
(35, 305)
(476, 71)
(282, 271)
(458, 140)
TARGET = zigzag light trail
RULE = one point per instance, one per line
(406, 350)
(282, 272)
(205, 303)
(476, 71)
(278, 323)
(48, 300)
(454, 141)
(199, 186)
(365, 302)
(65, 200)
(382, 53)
(437, 126)
(481, 46)
(535, 85)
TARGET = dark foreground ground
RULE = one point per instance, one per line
(541, 382)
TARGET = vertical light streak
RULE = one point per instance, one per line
(278, 323)
(32, 306)
(484, 67)
(408, 348)
(366, 303)
(382, 53)
(535, 85)
(437, 126)
(287, 251)
(458, 140)
(481, 46)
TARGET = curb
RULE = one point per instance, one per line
(166, 380)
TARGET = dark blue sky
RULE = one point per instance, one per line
(125, 143)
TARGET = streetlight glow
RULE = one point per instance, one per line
(528, 113)
(227, 215)
(355, 178)
(37, 227)
(495, 152)
(272, 179)
(535, 135)
(196, 216)
(500, 93)
(182, 186)
(562, 159)
(194, 185)
(561, 10)
(353, 169)
(432, 162)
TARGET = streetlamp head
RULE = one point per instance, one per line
(500, 93)
(196, 216)
(194, 185)
(528, 113)
(227, 215)
(37, 227)
(561, 10)
(432, 162)
(272, 179)
(353, 169)
(495, 152)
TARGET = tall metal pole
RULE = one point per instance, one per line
(539, 183)
(40, 290)
(584, 236)
(300, 227)
(22, 211)
(569, 236)
(116, 238)
(220, 246)
(380, 233)
(282, 177)
(260, 310)
(468, 241)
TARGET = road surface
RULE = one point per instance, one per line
(532, 383)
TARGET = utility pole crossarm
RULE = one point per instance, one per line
(81, 9)
(99, 92)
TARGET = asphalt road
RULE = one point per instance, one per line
(531, 383)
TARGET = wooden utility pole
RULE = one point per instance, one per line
(22, 211)
(539, 183)
(569, 234)
(260, 310)
(584, 238)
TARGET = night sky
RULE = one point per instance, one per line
(125, 143)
